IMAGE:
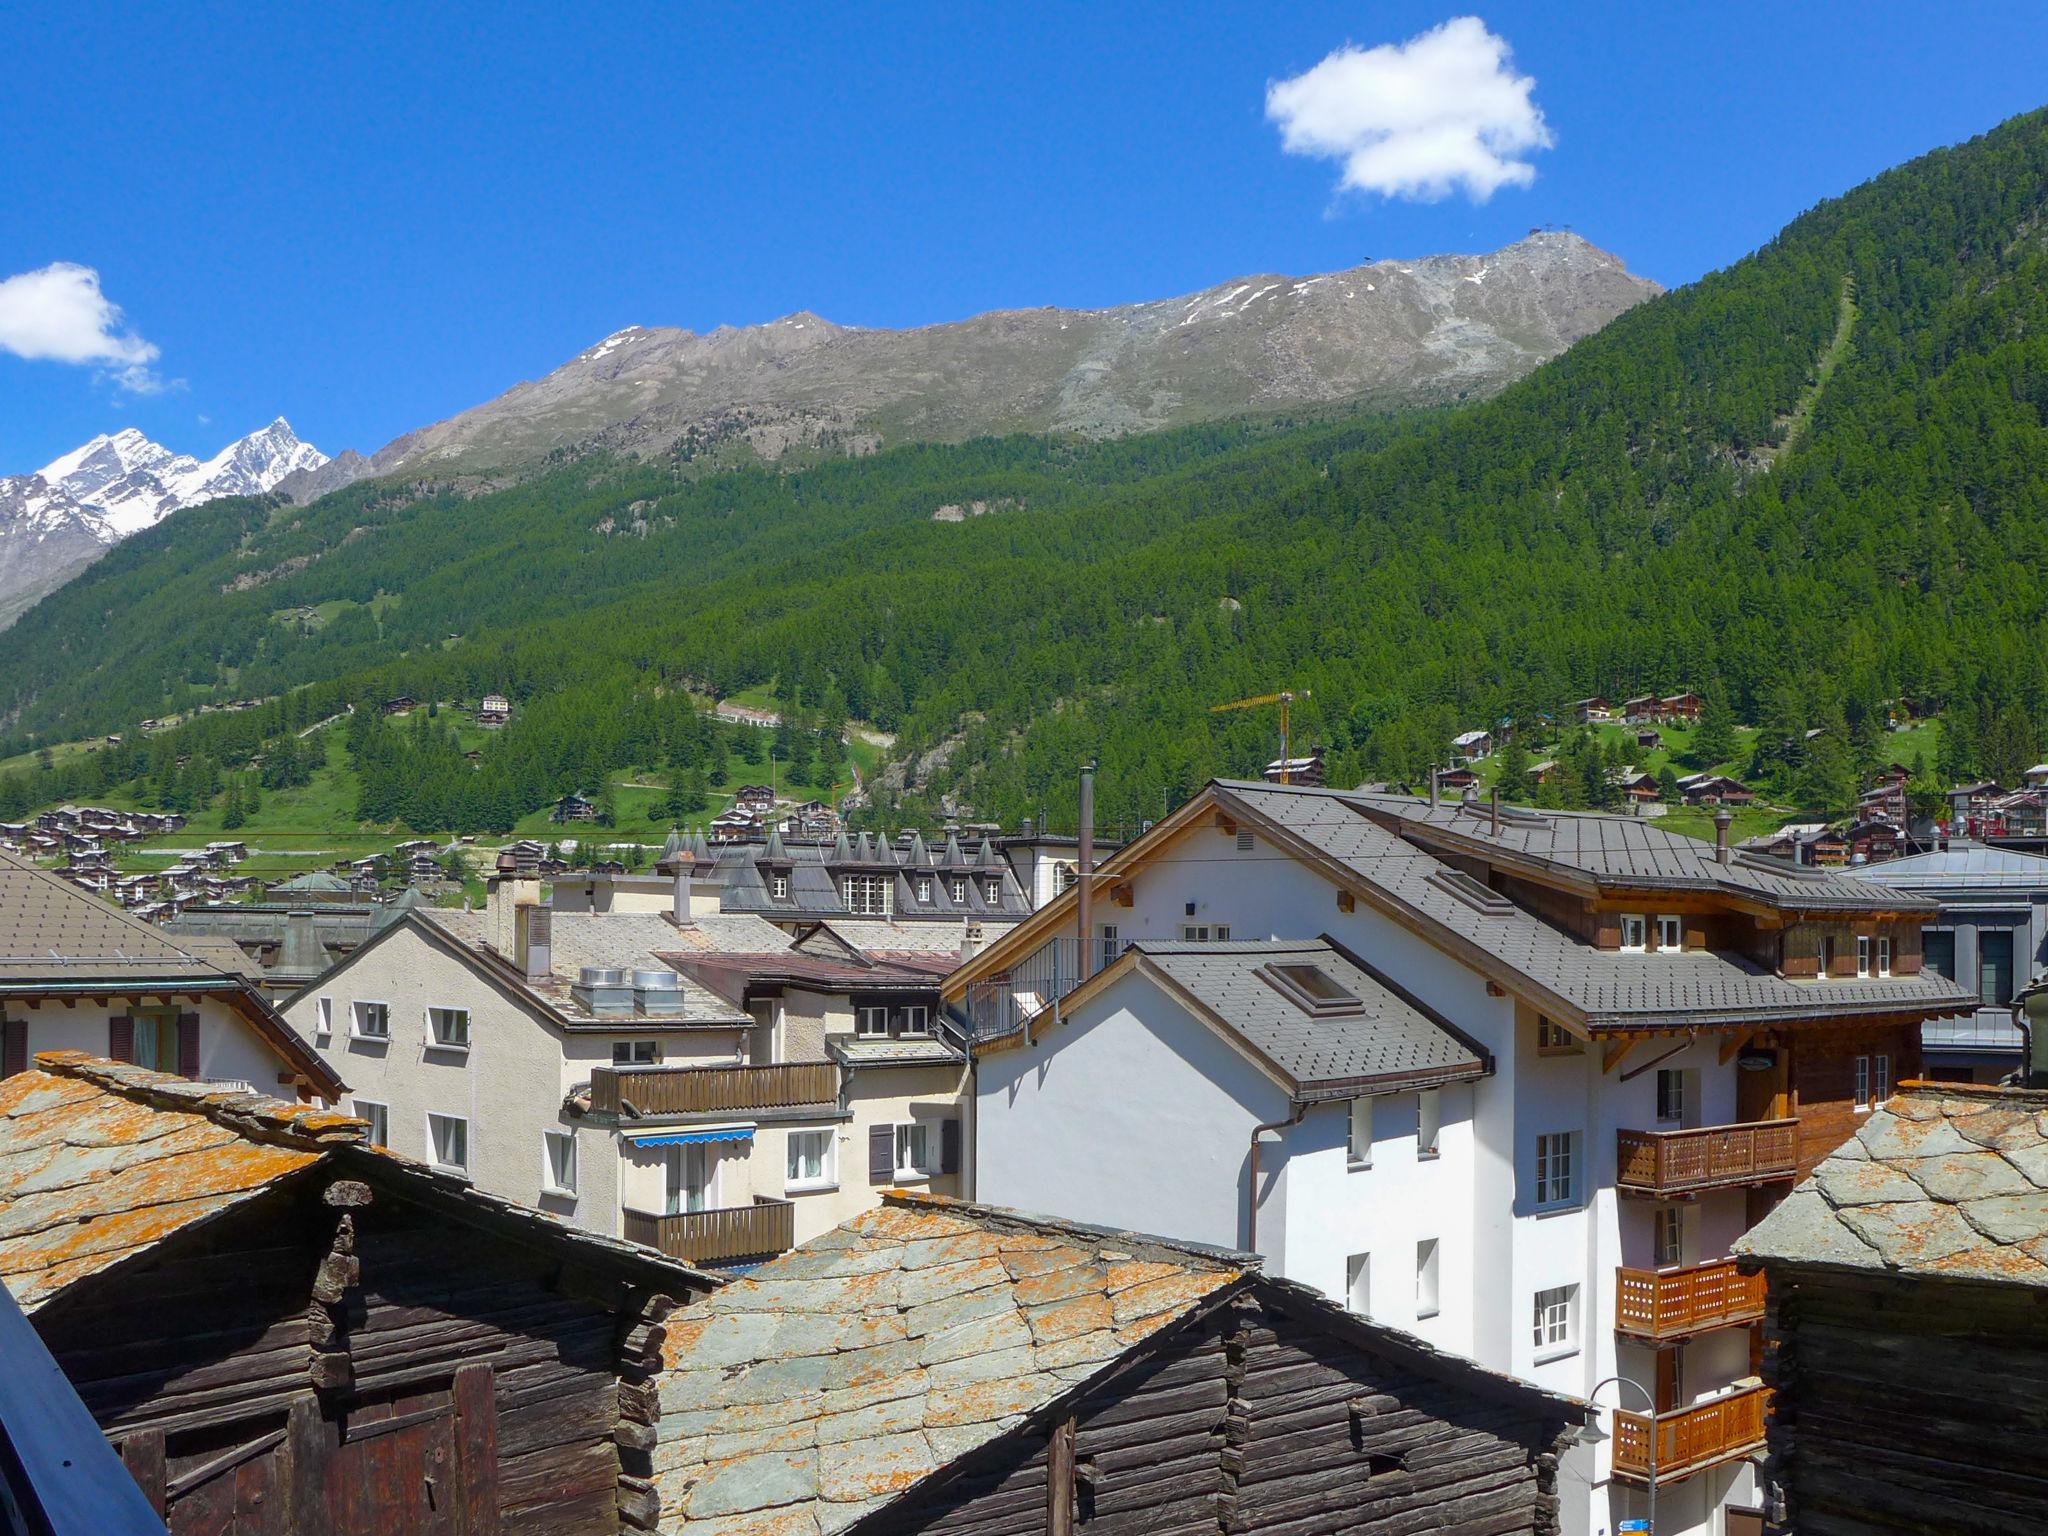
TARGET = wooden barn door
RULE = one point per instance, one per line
(421, 1463)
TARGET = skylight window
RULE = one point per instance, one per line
(1476, 894)
(1311, 989)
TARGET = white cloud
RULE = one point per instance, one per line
(1441, 113)
(58, 313)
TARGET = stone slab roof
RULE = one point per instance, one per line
(1390, 1036)
(728, 933)
(1944, 1180)
(896, 1052)
(833, 1378)
(1609, 987)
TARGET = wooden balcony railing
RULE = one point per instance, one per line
(1671, 1303)
(1691, 1439)
(1714, 1156)
(711, 1090)
(757, 1231)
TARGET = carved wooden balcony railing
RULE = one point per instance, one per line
(1672, 1303)
(1691, 1439)
(1712, 1157)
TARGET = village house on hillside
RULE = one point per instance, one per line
(1511, 1079)
(289, 1333)
(1908, 1282)
(79, 974)
(938, 1367)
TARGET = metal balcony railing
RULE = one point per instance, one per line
(1031, 988)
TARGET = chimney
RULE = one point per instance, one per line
(1432, 789)
(532, 925)
(1723, 817)
(1084, 868)
(1496, 811)
(970, 939)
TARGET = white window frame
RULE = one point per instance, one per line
(924, 888)
(434, 1143)
(1555, 1322)
(1884, 954)
(1826, 956)
(1358, 1284)
(957, 888)
(1358, 1135)
(911, 1135)
(1862, 1104)
(1667, 1237)
(867, 1013)
(323, 1019)
(1670, 932)
(1881, 1084)
(868, 895)
(549, 1183)
(778, 886)
(1637, 924)
(1109, 945)
(917, 1019)
(1429, 1125)
(1863, 948)
(358, 1016)
(628, 1053)
(1428, 1291)
(439, 1037)
(1552, 1191)
(1671, 1086)
(992, 890)
(377, 1116)
(828, 1163)
(1204, 933)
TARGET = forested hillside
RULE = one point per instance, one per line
(1813, 482)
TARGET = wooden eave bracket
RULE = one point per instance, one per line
(1614, 1052)
(1733, 1044)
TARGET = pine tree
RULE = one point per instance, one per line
(1714, 742)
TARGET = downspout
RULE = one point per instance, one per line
(1251, 1225)
(1084, 903)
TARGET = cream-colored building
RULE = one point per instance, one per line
(575, 1060)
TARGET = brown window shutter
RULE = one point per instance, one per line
(881, 1154)
(13, 1046)
(188, 1045)
(121, 1037)
(949, 1145)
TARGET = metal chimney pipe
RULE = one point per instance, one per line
(1084, 902)
(1723, 817)
(1496, 810)
(1432, 789)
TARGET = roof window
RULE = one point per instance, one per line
(1311, 989)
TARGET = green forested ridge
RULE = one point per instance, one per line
(1630, 516)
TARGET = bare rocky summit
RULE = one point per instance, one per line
(1389, 333)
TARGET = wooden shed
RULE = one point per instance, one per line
(288, 1332)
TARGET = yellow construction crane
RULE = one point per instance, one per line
(1283, 698)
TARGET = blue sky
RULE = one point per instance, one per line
(371, 217)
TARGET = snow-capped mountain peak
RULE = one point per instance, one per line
(135, 483)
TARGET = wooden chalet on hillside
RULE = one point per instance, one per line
(287, 1332)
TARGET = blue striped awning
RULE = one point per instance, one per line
(693, 1138)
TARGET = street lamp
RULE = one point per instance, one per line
(1592, 1434)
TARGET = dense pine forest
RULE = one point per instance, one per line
(1810, 486)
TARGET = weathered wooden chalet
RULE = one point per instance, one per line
(939, 1367)
(288, 1332)
(1908, 1314)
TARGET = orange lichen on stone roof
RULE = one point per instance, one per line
(837, 1377)
(99, 1160)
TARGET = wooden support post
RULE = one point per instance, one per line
(142, 1453)
(310, 1443)
(1059, 1480)
(476, 1451)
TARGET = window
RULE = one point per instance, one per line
(636, 1053)
(1428, 1122)
(1556, 1320)
(558, 1162)
(1881, 1072)
(1862, 954)
(1554, 1173)
(1425, 1278)
(1827, 955)
(370, 1021)
(449, 1028)
(917, 1020)
(924, 888)
(1671, 1094)
(1358, 1139)
(810, 1161)
(1311, 989)
(156, 1041)
(913, 1150)
(992, 889)
(1554, 1039)
(1994, 966)
(1884, 956)
(1063, 876)
(1244, 842)
(1670, 932)
(689, 1173)
(378, 1118)
(957, 887)
(1668, 1236)
(778, 886)
(1202, 933)
(1106, 933)
(1634, 931)
(1358, 1283)
(871, 1021)
(1938, 952)
(323, 1018)
(448, 1135)
(867, 895)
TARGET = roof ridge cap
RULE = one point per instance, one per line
(252, 1116)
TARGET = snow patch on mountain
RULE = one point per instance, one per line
(135, 483)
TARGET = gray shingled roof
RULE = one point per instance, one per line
(1390, 1037)
(815, 891)
(1945, 1180)
(1610, 988)
(51, 932)
(894, 1052)
(1630, 851)
(1969, 865)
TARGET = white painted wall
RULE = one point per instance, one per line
(230, 1049)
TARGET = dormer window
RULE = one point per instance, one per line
(1863, 947)
(992, 889)
(958, 887)
(1884, 957)
(1670, 932)
(778, 885)
(867, 895)
(1634, 931)
(924, 888)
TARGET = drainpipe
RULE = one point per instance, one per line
(1251, 1233)
(1084, 903)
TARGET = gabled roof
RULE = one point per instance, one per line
(1389, 1041)
(847, 1373)
(1943, 1181)
(1960, 864)
(51, 931)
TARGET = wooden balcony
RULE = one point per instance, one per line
(730, 1236)
(1712, 1157)
(711, 1090)
(1691, 1439)
(1673, 1303)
